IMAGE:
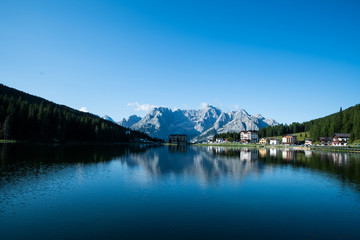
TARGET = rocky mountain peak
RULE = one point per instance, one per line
(198, 124)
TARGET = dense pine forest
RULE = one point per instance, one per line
(27, 117)
(347, 121)
(230, 136)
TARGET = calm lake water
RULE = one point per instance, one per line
(139, 192)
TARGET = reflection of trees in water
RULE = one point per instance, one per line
(208, 163)
(21, 160)
(344, 166)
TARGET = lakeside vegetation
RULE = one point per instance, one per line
(347, 121)
(235, 136)
(31, 118)
(300, 136)
(349, 149)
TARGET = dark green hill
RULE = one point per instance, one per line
(27, 117)
(347, 121)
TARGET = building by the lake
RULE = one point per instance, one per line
(274, 141)
(178, 139)
(308, 142)
(324, 141)
(340, 139)
(289, 139)
(264, 141)
(249, 136)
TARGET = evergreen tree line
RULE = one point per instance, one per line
(282, 129)
(347, 121)
(27, 117)
(230, 136)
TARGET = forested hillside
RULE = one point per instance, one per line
(27, 117)
(347, 121)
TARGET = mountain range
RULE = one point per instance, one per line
(198, 125)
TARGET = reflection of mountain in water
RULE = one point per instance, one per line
(207, 163)
(211, 163)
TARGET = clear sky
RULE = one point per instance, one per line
(288, 60)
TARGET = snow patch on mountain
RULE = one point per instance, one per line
(106, 117)
(198, 125)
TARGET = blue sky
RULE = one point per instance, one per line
(288, 60)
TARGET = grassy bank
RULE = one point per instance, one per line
(353, 149)
(301, 136)
(240, 145)
(7, 141)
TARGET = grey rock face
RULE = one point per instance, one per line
(198, 125)
(133, 119)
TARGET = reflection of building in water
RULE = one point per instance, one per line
(288, 155)
(248, 155)
(178, 148)
(207, 164)
(262, 152)
(245, 156)
(308, 154)
(340, 159)
(218, 150)
(214, 163)
(274, 152)
(80, 172)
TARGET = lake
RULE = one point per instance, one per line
(176, 192)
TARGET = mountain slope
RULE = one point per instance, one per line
(27, 117)
(108, 118)
(198, 125)
(347, 121)
(130, 121)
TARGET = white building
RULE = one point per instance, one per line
(289, 139)
(274, 141)
(308, 142)
(219, 140)
(249, 136)
(340, 139)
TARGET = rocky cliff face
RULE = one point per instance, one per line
(198, 125)
(130, 121)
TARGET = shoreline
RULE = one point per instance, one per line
(351, 149)
(73, 142)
